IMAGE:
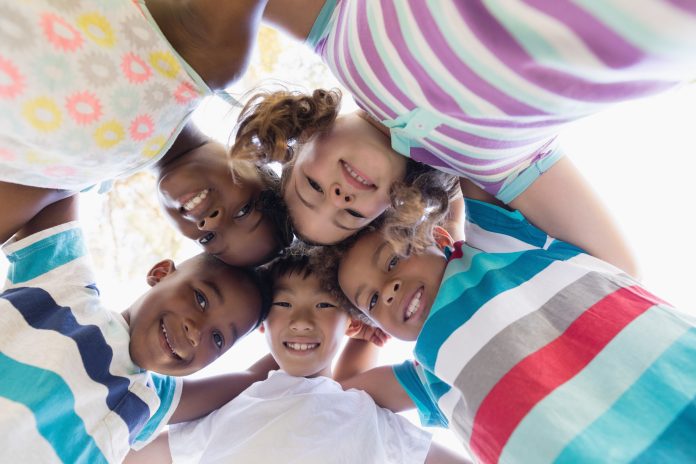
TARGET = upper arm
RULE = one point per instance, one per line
(21, 204)
(562, 204)
(156, 452)
(381, 384)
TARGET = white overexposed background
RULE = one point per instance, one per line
(639, 156)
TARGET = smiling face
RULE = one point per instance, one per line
(340, 181)
(192, 314)
(395, 292)
(203, 201)
(305, 327)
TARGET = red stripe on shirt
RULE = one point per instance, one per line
(537, 375)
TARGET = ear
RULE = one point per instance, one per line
(262, 328)
(442, 238)
(159, 271)
(354, 327)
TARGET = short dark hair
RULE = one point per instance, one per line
(302, 260)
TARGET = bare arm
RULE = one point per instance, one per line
(20, 203)
(156, 452)
(381, 384)
(293, 17)
(200, 397)
(55, 214)
(562, 204)
(361, 351)
(214, 37)
(438, 454)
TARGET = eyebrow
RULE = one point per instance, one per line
(375, 258)
(216, 289)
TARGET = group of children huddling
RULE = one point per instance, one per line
(441, 213)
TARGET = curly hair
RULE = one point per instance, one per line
(272, 126)
(299, 259)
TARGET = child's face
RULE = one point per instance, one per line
(395, 292)
(200, 197)
(304, 327)
(192, 314)
(340, 181)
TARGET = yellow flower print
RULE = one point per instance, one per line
(154, 146)
(43, 114)
(165, 64)
(109, 134)
(97, 28)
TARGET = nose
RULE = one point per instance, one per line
(192, 332)
(340, 197)
(212, 221)
(391, 289)
(302, 322)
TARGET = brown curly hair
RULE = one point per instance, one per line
(273, 125)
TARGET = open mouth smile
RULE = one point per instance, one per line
(414, 305)
(167, 342)
(356, 178)
(194, 205)
(302, 347)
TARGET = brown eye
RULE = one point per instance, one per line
(314, 185)
(354, 213)
(392, 263)
(246, 209)
(373, 301)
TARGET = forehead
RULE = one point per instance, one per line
(295, 282)
(365, 251)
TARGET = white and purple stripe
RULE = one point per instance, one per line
(482, 88)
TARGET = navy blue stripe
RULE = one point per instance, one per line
(42, 312)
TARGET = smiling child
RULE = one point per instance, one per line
(300, 414)
(77, 385)
(529, 349)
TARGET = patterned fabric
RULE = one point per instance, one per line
(89, 91)
(69, 390)
(481, 89)
(537, 352)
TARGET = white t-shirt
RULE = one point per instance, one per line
(286, 419)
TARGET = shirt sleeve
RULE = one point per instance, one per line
(168, 390)
(493, 229)
(411, 377)
(49, 249)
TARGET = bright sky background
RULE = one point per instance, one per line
(639, 156)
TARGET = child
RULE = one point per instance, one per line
(331, 194)
(76, 385)
(299, 414)
(231, 208)
(482, 89)
(93, 90)
(528, 348)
